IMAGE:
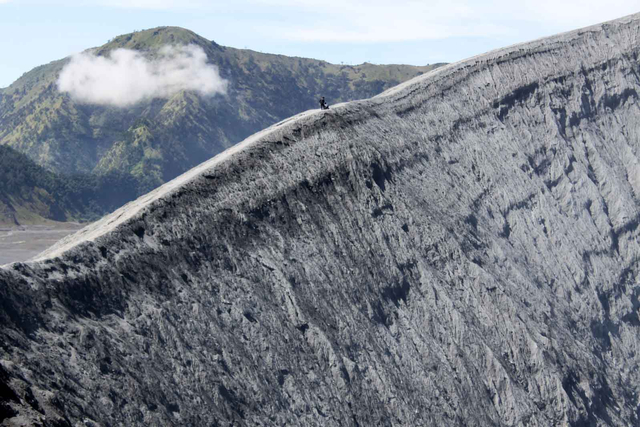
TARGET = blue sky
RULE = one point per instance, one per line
(34, 32)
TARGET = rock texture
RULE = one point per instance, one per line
(460, 250)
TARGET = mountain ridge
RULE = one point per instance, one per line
(40, 83)
(277, 128)
(460, 251)
(157, 139)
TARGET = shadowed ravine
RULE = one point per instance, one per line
(460, 250)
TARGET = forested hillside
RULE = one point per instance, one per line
(30, 193)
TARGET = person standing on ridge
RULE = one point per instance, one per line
(323, 104)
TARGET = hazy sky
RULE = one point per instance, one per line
(34, 32)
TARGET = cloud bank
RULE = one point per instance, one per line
(126, 77)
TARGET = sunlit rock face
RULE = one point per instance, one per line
(460, 250)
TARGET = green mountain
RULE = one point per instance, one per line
(30, 194)
(155, 140)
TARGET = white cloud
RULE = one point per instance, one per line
(126, 77)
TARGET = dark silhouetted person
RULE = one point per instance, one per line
(323, 104)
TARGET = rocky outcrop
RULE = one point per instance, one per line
(460, 250)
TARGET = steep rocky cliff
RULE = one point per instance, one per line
(460, 250)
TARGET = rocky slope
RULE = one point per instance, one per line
(460, 250)
(157, 139)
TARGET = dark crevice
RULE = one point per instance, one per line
(519, 95)
(381, 175)
(232, 399)
(522, 204)
(615, 100)
(377, 212)
(397, 292)
(629, 227)
(139, 231)
(282, 374)
(596, 407)
(472, 220)
(506, 229)
(379, 315)
(561, 120)
(249, 317)
(6, 396)
(539, 161)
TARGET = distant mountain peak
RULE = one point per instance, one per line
(154, 39)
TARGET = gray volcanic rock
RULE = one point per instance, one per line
(460, 250)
